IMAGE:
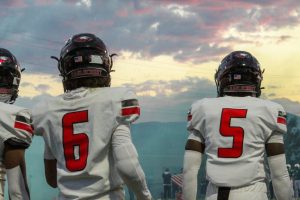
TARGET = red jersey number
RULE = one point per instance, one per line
(237, 133)
(72, 140)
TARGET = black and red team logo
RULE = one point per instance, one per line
(4, 59)
(82, 39)
(241, 55)
(281, 118)
(24, 124)
(130, 107)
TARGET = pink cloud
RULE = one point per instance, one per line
(3, 13)
(205, 23)
(15, 3)
(94, 26)
(70, 1)
(99, 24)
(143, 11)
(44, 2)
(122, 12)
(220, 5)
(178, 1)
(266, 20)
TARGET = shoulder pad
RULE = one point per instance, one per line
(280, 118)
(23, 123)
(16, 123)
(129, 108)
(193, 109)
(130, 111)
(195, 117)
(39, 112)
(23, 129)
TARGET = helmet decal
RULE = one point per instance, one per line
(82, 39)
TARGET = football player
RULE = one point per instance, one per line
(235, 131)
(297, 180)
(291, 174)
(88, 147)
(15, 130)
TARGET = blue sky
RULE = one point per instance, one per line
(168, 50)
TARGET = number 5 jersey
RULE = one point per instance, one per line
(235, 131)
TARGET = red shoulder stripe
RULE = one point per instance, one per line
(24, 127)
(131, 111)
(281, 120)
(189, 117)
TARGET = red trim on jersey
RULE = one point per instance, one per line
(131, 111)
(281, 120)
(24, 127)
(189, 117)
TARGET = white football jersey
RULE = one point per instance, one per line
(15, 123)
(235, 131)
(77, 128)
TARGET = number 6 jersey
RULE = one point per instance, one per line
(235, 131)
(77, 128)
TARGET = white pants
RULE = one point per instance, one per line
(256, 191)
(2, 181)
(117, 194)
(297, 188)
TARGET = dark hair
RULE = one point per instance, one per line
(91, 82)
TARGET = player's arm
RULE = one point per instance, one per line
(124, 152)
(14, 161)
(39, 121)
(194, 149)
(50, 172)
(50, 167)
(128, 166)
(277, 164)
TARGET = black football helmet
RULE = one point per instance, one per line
(239, 74)
(85, 56)
(10, 76)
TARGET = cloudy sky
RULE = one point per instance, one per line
(168, 50)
